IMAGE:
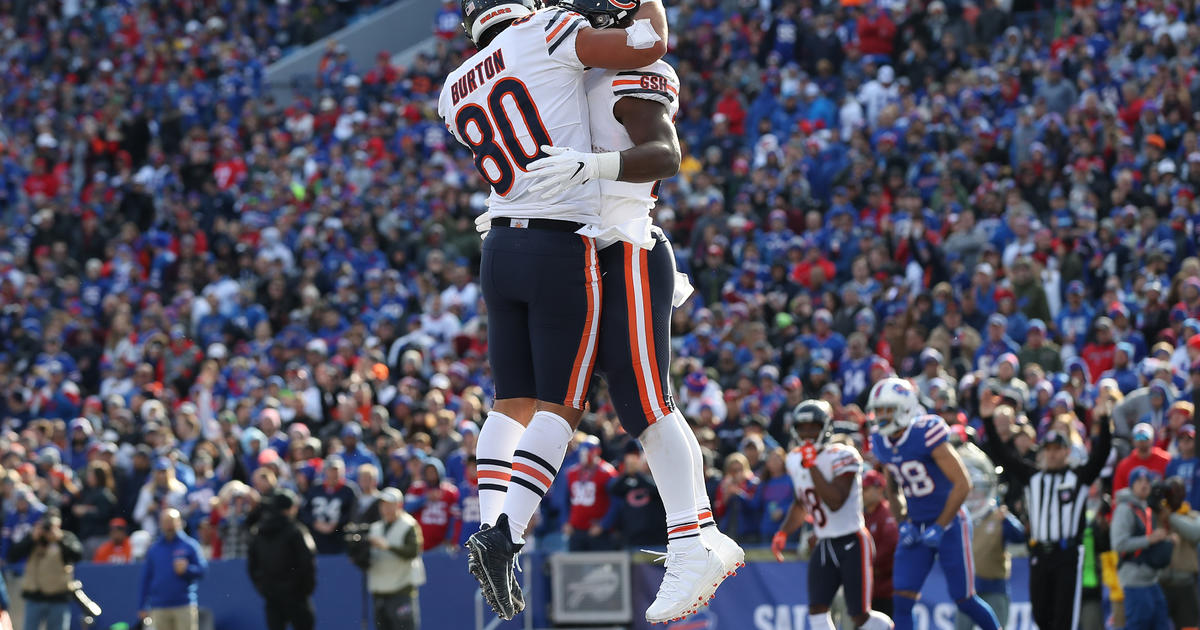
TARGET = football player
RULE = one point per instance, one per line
(631, 114)
(927, 486)
(828, 483)
(541, 282)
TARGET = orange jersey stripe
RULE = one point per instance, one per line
(627, 82)
(533, 472)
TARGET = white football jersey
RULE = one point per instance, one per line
(524, 90)
(625, 207)
(833, 460)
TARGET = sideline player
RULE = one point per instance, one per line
(541, 282)
(921, 462)
(828, 483)
(631, 112)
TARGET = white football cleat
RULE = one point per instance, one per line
(692, 575)
(726, 549)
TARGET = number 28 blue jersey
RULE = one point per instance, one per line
(909, 459)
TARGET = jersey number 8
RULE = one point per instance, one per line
(913, 478)
(484, 142)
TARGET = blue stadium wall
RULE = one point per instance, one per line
(764, 596)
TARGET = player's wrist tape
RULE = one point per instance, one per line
(608, 165)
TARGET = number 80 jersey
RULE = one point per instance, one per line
(524, 90)
(833, 460)
(909, 460)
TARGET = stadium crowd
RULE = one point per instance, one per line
(207, 294)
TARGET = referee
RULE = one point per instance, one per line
(1055, 497)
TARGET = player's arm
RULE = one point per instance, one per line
(655, 154)
(947, 459)
(896, 502)
(1100, 448)
(791, 522)
(832, 493)
(641, 44)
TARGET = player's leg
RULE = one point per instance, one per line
(958, 565)
(513, 275)
(512, 368)
(635, 338)
(727, 549)
(911, 567)
(635, 351)
(856, 554)
(824, 580)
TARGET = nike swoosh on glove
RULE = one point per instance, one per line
(909, 534)
(566, 168)
(932, 536)
(483, 223)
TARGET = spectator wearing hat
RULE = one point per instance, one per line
(161, 492)
(1185, 465)
(1006, 305)
(1179, 415)
(396, 572)
(587, 486)
(886, 534)
(329, 506)
(1145, 455)
(1124, 332)
(997, 343)
(932, 367)
(282, 563)
(1099, 354)
(1038, 349)
(236, 511)
(117, 549)
(1122, 370)
(431, 500)
(171, 576)
(1160, 402)
(1074, 319)
(1136, 529)
(355, 454)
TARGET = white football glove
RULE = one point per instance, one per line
(566, 168)
(483, 223)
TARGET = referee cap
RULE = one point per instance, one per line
(1054, 437)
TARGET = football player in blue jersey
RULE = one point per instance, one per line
(927, 486)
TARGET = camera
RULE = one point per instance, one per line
(1158, 494)
(358, 547)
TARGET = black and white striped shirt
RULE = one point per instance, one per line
(1054, 499)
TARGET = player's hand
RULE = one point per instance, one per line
(910, 535)
(932, 536)
(483, 223)
(566, 168)
(808, 455)
(778, 544)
